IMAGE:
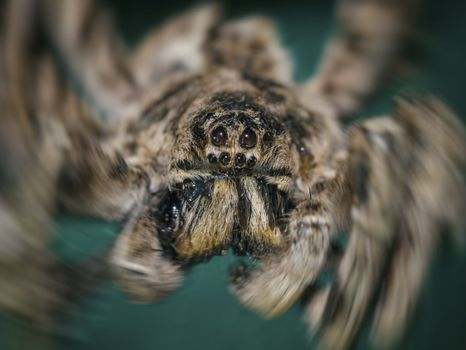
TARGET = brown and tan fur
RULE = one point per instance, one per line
(209, 145)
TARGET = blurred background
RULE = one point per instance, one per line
(203, 314)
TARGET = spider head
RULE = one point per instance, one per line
(233, 136)
(230, 175)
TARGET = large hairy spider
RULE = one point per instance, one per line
(208, 145)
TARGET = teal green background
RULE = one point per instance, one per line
(202, 314)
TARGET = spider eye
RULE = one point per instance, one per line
(219, 136)
(240, 159)
(225, 158)
(211, 158)
(251, 162)
(248, 138)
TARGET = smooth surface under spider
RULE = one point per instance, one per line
(209, 146)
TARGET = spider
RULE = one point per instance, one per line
(208, 145)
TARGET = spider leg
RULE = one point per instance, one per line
(401, 170)
(26, 185)
(197, 39)
(279, 281)
(84, 35)
(35, 284)
(94, 179)
(374, 220)
(437, 205)
(175, 47)
(371, 35)
(140, 262)
(251, 46)
(117, 78)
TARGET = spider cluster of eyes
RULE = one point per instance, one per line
(247, 140)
